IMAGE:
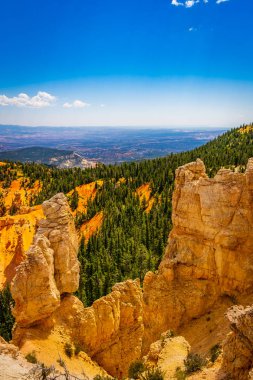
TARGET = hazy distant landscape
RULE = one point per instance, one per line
(106, 145)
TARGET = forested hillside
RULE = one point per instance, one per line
(135, 229)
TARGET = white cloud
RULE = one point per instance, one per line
(191, 3)
(192, 29)
(76, 104)
(42, 99)
(176, 3)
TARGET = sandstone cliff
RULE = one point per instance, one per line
(110, 331)
(51, 267)
(209, 251)
(209, 254)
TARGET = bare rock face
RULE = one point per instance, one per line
(33, 289)
(8, 349)
(13, 365)
(238, 347)
(51, 267)
(209, 251)
(59, 228)
(168, 353)
(110, 331)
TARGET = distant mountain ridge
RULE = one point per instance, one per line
(48, 156)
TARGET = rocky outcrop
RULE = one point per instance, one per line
(34, 289)
(238, 347)
(168, 353)
(59, 229)
(209, 251)
(51, 267)
(110, 331)
(13, 365)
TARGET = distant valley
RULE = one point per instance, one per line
(97, 144)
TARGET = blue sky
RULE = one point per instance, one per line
(138, 63)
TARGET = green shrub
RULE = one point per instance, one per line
(78, 349)
(135, 369)
(215, 352)
(6, 318)
(68, 350)
(61, 362)
(180, 374)
(154, 373)
(193, 363)
(100, 377)
(31, 358)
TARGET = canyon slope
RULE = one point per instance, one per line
(209, 256)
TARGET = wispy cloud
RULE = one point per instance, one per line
(186, 3)
(221, 1)
(76, 104)
(191, 3)
(41, 100)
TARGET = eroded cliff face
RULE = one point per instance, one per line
(209, 251)
(209, 254)
(51, 267)
(110, 331)
(59, 229)
(16, 235)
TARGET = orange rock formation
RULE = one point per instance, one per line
(209, 254)
(209, 251)
(16, 235)
(112, 325)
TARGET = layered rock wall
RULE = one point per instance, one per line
(209, 251)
